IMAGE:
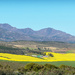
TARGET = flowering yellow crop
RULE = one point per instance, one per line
(62, 57)
(14, 57)
(57, 57)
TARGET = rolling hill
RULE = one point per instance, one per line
(9, 33)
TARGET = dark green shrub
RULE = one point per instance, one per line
(22, 70)
(1, 66)
(37, 67)
(57, 71)
(29, 66)
(33, 67)
(39, 48)
(7, 67)
(50, 66)
(50, 54)
(65, 67)
(43, 53)
(2, 72)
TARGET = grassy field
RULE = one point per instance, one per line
(16, 64)
(26, 47)
(70, 51)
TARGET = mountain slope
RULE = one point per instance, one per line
(9, 33)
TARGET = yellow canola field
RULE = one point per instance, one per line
(14, 57)
(57, 57)
(61, 57)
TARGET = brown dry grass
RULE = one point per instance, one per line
(26, 45)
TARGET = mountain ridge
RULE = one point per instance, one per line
(9, 33)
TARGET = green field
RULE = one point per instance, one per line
(70, 51)
(15, 65)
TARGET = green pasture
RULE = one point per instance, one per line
(70, 51)
(17, 64)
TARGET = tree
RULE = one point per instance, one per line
(39, 48)
(43, 53)
(49, 54)
(27, 48)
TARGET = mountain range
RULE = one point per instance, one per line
(9, 33)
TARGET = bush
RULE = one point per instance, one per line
(37, 67)
(43, 53)
(50, 66)
(1, 66)
(57, 72)
(49, 54)
(2, 72)
(65, 67)
(22, 70)
(33, 67)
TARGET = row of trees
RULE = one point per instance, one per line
(49, 54)
(22, 51)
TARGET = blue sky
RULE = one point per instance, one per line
(38, 14)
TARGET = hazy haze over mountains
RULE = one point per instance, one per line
(9, 33)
